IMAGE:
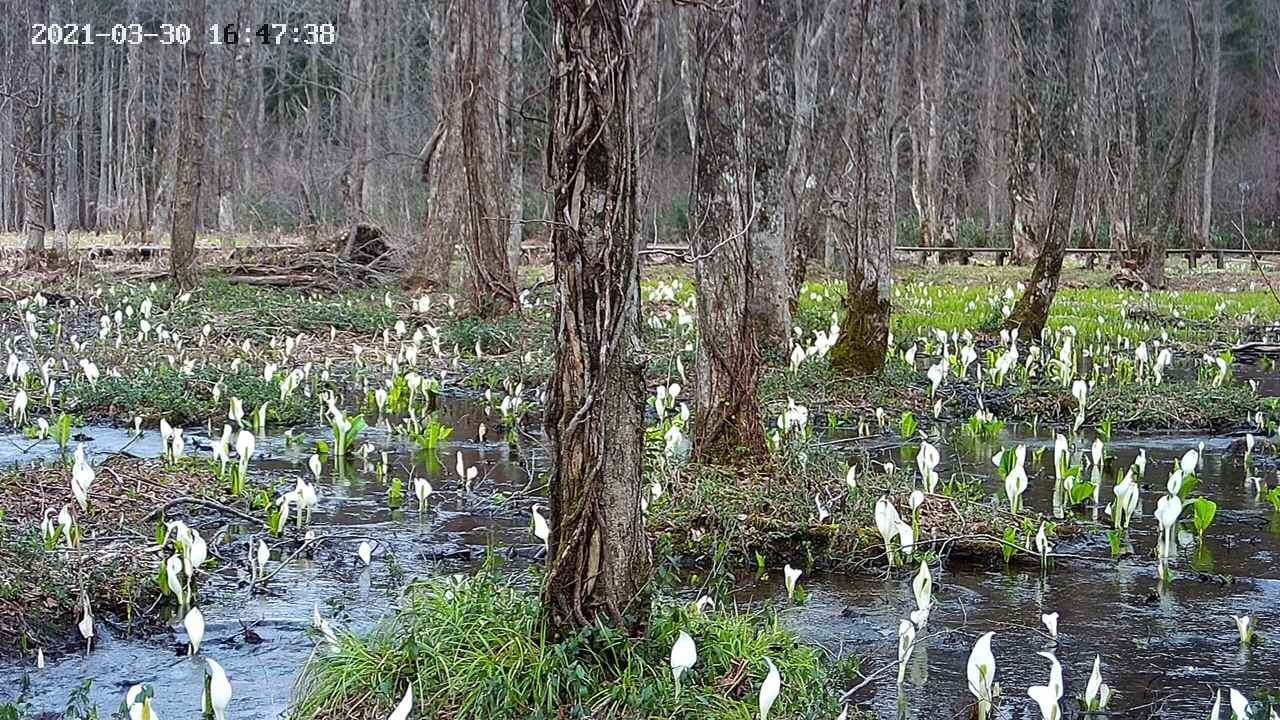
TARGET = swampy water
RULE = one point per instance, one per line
(1161, 651)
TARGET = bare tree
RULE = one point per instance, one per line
(766, 75)
(30, 95)
(868, 62)
(808, 167)
(360, 33)
(512, 14)
(1031, 64)
(1214, 69)
(63, 92)
(190, 157)
(930, 39)
(726, 209)
(1062, 113)
(599, 560)
(489, 279)
(991, 156)
(440, 159)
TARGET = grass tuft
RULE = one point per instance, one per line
(473, 650)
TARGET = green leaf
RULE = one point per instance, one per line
(1081, 491)
(1205, 511)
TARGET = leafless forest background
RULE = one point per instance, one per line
(418, 106)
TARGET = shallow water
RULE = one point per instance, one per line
(1163, 652)
(453, 535)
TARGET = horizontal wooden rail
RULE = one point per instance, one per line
(1001, 253)
(678, 250)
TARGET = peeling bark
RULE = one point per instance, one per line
(599, 559)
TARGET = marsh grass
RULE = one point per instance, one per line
(1194, 319)
(474, 650)
(181, 398)
(40, 588)
(732, 518)
(1135, 407)
(285, 310)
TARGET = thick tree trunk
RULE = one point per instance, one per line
(431, 257)
(862, 211)
(991, 175)
(232, 85)
(190, 159)
(34, 189)
(599, 561)
(30, 102)
(489, 279)
(808, 166)
(930, 23)
(1031, 312)
(1027, 127)
(722, 202)
(767, 53)
(62, 91)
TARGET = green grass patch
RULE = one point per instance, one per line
(473, 649)
(183, 399)
(1195, 319)
(275, 309)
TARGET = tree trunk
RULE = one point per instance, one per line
(431, 257)
(62, 93)
(232, 85)
(1201, 237)
(599, 561)
(767, 52)
(929, 24)
(808, 166)
(355, 177)
(1027, 128)
(31, 102)
(514, 121)
(862, 208)
(190, 159)
(729, 364)
(106, 137)
(990, 130)
(489, 279)
(1063, 118)
(649, 92)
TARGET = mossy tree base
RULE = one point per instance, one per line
(864, 334)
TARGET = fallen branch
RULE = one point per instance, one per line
(210, 504)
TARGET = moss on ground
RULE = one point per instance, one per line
(40, 588)
(473, 650)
